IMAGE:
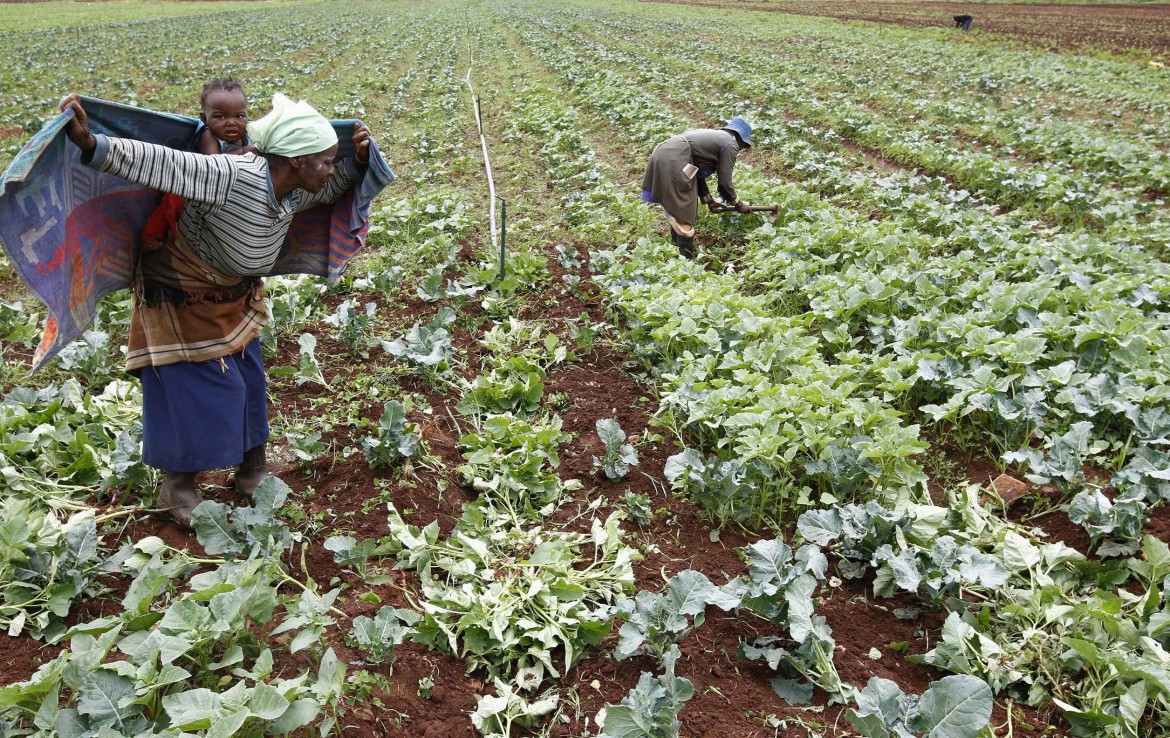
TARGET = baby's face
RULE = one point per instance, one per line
(226, 114)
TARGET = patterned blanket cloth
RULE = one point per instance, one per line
(72, 233)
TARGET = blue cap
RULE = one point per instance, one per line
(741, 127)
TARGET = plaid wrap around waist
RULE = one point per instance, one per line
(186, 310)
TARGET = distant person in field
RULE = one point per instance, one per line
(223, 129)
(964, 22)
(199, 300)
(676, 176)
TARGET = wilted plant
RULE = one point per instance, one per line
(310, 369)
(353, 325)
(88, 356)
(428, 348)
(376, 637)
(306, 446)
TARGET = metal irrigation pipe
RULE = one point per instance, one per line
(487, 163)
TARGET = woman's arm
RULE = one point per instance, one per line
(206, 179)
(194, 177)
(727, 157)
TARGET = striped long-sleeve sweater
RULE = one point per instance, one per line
(232, 218)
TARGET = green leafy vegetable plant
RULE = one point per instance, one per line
(780, 587)
(353, 326)
(496, 714)
(196, 663)
(18, 326)
(953, 707)
(88, 356)
(639, 508)
(348, 551)
(306, 447)
(376, 637)
(619, 456)
(427, 348)
(518, 602)
(1115, 526)
(44, 565)
(244, 532)
(651, 708)
(516, 388)
(512, 463)
(655, 622)
(61, 441)
(397, 438)
(310, 368)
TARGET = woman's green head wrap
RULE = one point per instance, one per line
(291, 129)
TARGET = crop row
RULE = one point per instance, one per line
(189, 652)
(1059, 188)
(995, 649)
(1037, 335)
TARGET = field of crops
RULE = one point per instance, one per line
(611, 491)
(1137, 30)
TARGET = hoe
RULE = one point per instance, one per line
(773, 209)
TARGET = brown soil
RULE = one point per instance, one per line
(874, 161)
(22, 656)
(1159, 525)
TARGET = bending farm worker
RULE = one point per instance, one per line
(676, 176)
(199, 299)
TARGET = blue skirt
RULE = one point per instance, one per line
(204, 415)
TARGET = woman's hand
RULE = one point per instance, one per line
(361, 144)
(78, 127)
(715, 206)
(742, 206)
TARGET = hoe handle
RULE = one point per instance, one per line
(751, 208)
